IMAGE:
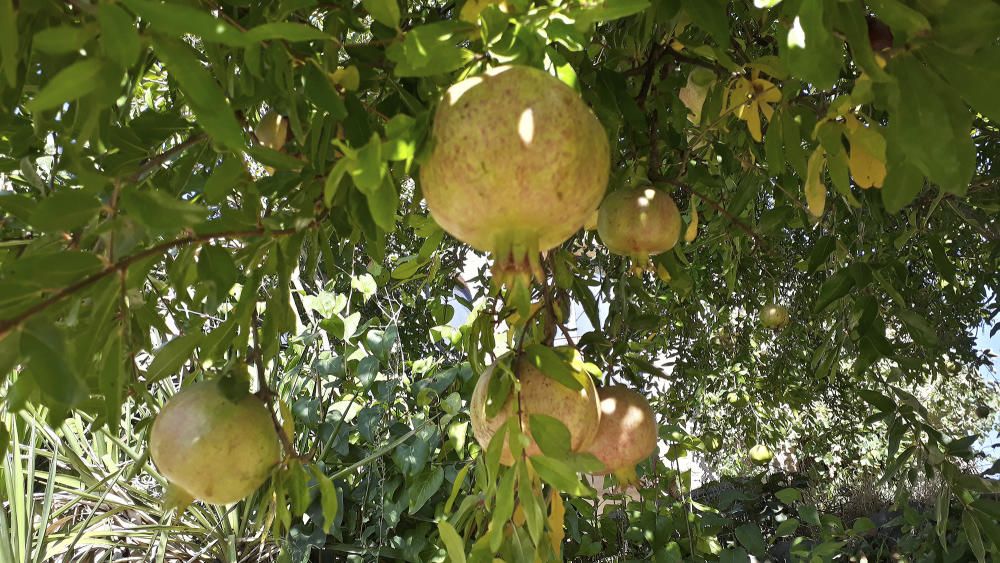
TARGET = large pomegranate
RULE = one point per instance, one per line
(639, 223)
(214, 449)
(540, 394)
(626, 435)
(517, 165)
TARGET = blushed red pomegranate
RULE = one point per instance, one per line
(626, 434)
(518, 164)
(639, 223)
(540, 394)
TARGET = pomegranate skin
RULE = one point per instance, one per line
(214, 449)
(517, 165)
(639, 223)
(774, 316)
(578, 410)
(626, 435)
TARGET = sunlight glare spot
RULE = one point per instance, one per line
(526, 126)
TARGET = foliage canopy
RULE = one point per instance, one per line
(229, 189)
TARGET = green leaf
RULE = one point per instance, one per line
(504, 500)
(919, 328)
(560, 475)
(179, 20)
(383, 204)
(65, 210)
(974, 76)
(836, 286)
(903, 182)
(161, 212)
(202, 92)
(942, 507)
(385, 12)
(368, 169)
(553, 365)
(711, 16)
(735, 555)
(327, 497)
(48, 364)
(877, 400)
(225, 177)
(120, 40)
(811, 51)
(904, 20)
(8, 41)
(550, 434)
(930, 126)
(972, 26)
(4, 440)
(809, 514)
(789, 495)
(52, 270)
(606, 11)
(424, 486)
(787, 528)
(452, 542)
(821, 252)
(431, 49)
(456, 487)
(217, 266)
(319, 90)
(172, 356)
(286, 31)
(751, 538)
(63, 39)
(71, 83)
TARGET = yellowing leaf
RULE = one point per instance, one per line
(867, 159)
(557, 517)
(751, 98)
(693, 94)
(692, 228)
(815, 189)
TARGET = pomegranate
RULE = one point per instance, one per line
(214, 449)
(517, 165)
(774, 316)
(540, 394)
(626, 435)
(272, 130)
(639, 223)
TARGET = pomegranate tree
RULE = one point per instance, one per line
(213, 448)
(626, 434)
(517, 165)
(540, 394)
(639, 223)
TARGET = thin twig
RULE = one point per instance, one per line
(158, 160)
(718, 207)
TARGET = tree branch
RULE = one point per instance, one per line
(8, 325)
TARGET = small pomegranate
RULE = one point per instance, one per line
(212, 448)
(639, 223)
(540, 394)
(272, 130)
(517, 165)
(626, 435)
(774, 316)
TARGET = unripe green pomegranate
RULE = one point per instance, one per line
(272, 130)
(540, 394)
(626, 435)
(761, 454)
(639, 223)
(517, 165)
(774, 316)
(212, 448)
